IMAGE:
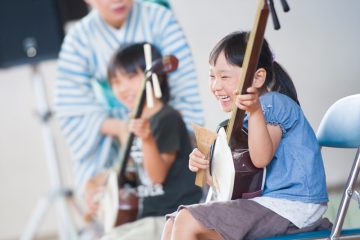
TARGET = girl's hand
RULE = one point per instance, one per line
(123, 131)
(250, 101)
(197, 161)
(141, 128)
(94, 188)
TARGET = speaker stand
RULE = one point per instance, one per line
(58, 195)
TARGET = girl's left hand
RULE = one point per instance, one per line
(250, 101)
(141, 128)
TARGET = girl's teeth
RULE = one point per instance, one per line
(224, 97)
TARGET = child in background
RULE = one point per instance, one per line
(279, 137)
(160, 149)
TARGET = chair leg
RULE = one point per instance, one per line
(350, 187)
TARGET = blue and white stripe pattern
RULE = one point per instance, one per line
(83, 59)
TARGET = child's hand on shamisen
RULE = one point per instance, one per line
(248, 102)
(197, 161)
(141, 128)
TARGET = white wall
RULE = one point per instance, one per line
(318, 44)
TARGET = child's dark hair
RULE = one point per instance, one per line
(131, 59)
(234, 46)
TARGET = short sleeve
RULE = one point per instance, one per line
(280, 110)
(167, 133)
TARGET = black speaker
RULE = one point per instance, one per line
(30, 31)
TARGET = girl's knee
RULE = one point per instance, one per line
(169, 224)
(166, 234)
(186, 223)
(182, 217)
(184, 220)
(170, 221)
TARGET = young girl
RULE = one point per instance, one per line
(160, 149)
(280, 139)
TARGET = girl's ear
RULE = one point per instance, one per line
(259, 78)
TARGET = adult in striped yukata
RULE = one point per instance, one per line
(84, 119)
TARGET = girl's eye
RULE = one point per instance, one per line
(212, 77)
(115, 81)
(225, 77)
(131, 75)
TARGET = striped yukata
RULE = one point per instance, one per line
(83, 60)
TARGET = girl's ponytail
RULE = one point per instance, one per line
(282, 82)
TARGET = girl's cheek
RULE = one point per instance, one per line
(211, 87)
(212, 90)
(117, 92)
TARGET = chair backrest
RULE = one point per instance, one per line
(340, 126)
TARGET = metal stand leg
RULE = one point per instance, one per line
(350, 187)
(59, 195)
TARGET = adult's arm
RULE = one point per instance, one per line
(80, 115)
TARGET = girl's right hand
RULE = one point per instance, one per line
(94, 188)
(250, 101)
(197, 161)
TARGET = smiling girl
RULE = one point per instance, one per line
(279, 137)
